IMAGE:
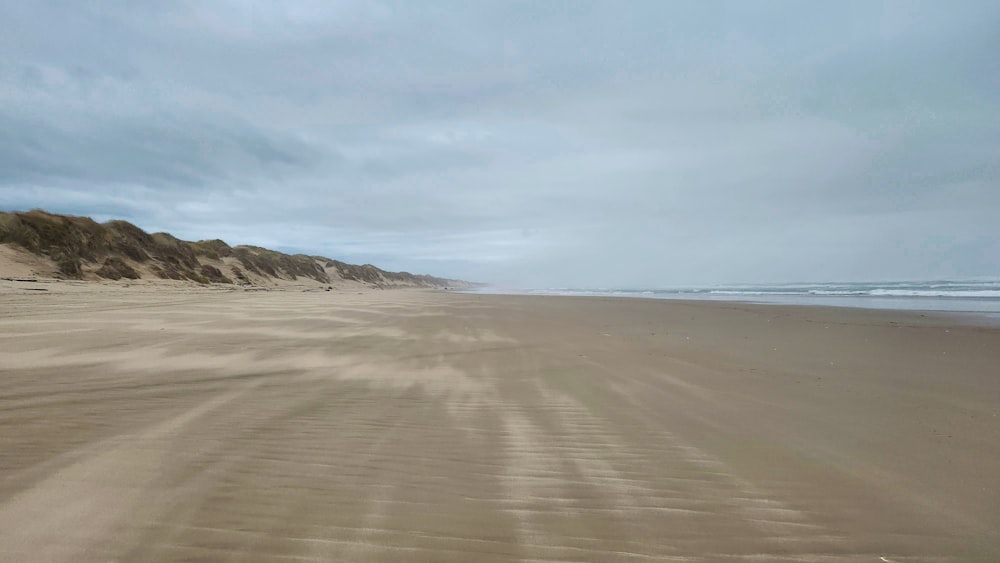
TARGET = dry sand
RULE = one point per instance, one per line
(173, 424)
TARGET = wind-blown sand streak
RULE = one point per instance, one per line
(180, 425)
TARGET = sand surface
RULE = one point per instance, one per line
(174, 424)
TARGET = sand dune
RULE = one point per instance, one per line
(175, 424)
(38, 244)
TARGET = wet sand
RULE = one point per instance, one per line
(170, 424)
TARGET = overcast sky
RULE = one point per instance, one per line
(625, 144)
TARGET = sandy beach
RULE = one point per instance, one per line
(168, 423)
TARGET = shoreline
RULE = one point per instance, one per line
(26, 286)
(987, 309)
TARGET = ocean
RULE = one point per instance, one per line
(979, 297)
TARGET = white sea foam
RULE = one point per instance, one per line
(967, 293)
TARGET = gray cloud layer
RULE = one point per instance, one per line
(533, 143)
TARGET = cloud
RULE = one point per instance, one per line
(177, 153)
(563, 143)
